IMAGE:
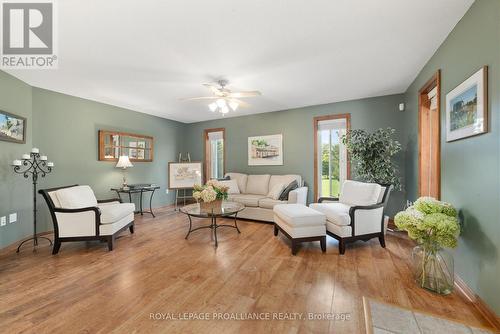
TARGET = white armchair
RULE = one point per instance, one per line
(78, 216)
(358, 214)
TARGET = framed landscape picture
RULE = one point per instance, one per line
(184, 175)
(12, 128)
(467, 107)
(265, 150)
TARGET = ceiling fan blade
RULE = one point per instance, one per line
(213, 88)
(200, 98)
(242, 104)
(245, 94)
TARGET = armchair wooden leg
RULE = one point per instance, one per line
(131, 228)
(275, 229)
(341, 247)
(381, 239)
(322, 242)
(57, 246)
(111, 242)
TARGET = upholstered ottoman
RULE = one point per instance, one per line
(300, 223)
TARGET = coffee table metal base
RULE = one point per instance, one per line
(213, 226)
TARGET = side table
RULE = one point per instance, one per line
(138, 189)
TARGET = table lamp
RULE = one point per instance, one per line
(124, 163)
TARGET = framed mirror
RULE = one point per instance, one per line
(113, 144)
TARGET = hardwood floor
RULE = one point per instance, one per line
(86, 289)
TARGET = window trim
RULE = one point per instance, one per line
(206, 151)
(316, 120)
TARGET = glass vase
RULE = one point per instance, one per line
(433, 268)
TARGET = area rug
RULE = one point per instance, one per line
(382, 318)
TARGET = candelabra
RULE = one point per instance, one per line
(35, 165)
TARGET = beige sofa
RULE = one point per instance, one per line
(254, 190)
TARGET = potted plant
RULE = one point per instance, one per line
(434, 225)
(210, 196)
(372, 155)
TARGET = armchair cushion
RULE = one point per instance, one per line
(111, 213)
(337, 213)
(76, 197)
(360, 193)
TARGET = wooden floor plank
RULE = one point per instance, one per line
(86, 289)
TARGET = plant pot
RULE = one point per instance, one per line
(211, 207)
(433, 268)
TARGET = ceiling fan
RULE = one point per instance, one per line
(224, 98)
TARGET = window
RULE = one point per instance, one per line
(331, 166)
(214, 154)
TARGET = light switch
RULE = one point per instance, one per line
(12, 218)
(3, 221)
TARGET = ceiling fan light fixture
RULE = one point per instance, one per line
(212, 107)
(234, 105)
(224, 109)
(221, 103)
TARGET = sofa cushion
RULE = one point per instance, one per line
(269, 203)
(246, 199)
(257, 184)
(241, 179)
(232, 185)
(337, 213)
(360, 193)
(286, 191)
(76, 197)
(276, 190)
(286, 179)
(112, 213)
(299, 215)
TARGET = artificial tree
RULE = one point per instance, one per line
(372, 154)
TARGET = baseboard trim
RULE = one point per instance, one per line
(477, 302)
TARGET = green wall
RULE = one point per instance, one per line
(15, 97)
(66, 130)
(470, 167)
(296, 125)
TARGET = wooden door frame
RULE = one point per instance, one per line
(206, 152)
(316, 120)
(434, 81)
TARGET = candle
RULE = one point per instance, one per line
(26, 156)
(50, 164)
(17, 163)
(35, 150)
(43, 157)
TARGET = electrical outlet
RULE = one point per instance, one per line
(3, 221)
(12, 218)
(166, 191)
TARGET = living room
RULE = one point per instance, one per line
(265, 167)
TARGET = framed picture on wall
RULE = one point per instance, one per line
(265, 150)
(12, 128)
(467, 107)
(184, 175)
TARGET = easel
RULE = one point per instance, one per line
(182, 197)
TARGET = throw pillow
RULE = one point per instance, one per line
(276, 191)
(233, 186)
(284, 194)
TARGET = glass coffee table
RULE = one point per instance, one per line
(229, 209)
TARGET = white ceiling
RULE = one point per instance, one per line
(145, 54)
